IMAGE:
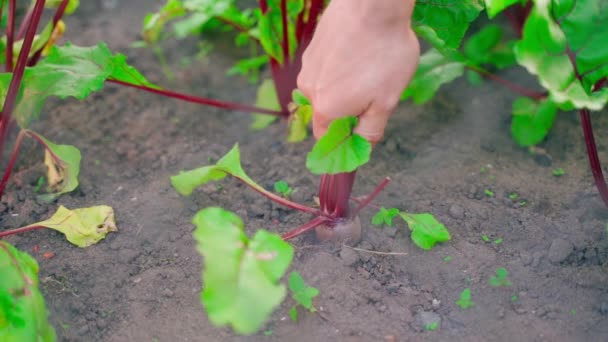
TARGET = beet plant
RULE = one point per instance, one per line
(563, 43)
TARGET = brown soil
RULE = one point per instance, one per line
(143, 283)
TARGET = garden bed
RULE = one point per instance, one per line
(453, 157)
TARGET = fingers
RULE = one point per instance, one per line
(373, 122)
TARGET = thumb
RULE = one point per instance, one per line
(320, 123)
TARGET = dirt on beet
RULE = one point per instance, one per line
(453, 157)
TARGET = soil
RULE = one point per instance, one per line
(143, 282)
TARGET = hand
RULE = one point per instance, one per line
(361, 58)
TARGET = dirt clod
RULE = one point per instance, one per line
(560, 250)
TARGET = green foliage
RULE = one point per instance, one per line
(249, 67)
(230, 164)
(283, 188)
(300, 118)
(241, 275)
(431, 20)
(23, 314)
(532, 120)
(67, 71)
(340, 149)
(385, 216)
(426, 230)
(434, 70)
(266, 98)
(465, 301)
(431, 326)
(500, 278)
(558, 172)
(496, 6)
(63, 167)
(557, 31)
(486, 47)
(82, 227)
(302, 294)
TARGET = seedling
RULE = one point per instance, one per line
(572, 312)
(485, 238)
(558, 172)
(549, 34)
(385, 216)
(500, 278)
(447, 258)
(498, 241)
(514, 298)
(488, 192)
(283, 188)
(302, 294)
(465, 302)
(431, 326)
(513, 196)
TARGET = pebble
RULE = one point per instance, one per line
(426, 318)
(456, 212)
(167, 293)
(349, 257)
(560, 250)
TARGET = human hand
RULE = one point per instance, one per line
(362, 56)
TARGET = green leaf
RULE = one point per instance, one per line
(465, 301)
(339, 150)
(385, 216)
(63, 168)
(474, 78)
(67, 71)
(293, 313)
(266, 98)
(23, 313)
(84, 226)
(500, 279)
(240, 276)
(532, 120)
(299, 98)
(69, 9)
(249, 67)
(302, 293)
(546, 45)
(443, 23)
(496, 6)
(202, 11)
(426, 230)
(434, 70)
(154, 23)
(487, 47)
(269, 37)
(298, 123)
(230, 164)
(283, 188)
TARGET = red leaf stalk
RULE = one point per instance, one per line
(334, 193)
(58, 15)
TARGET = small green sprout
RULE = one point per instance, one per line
(283, 188)
(498, 241)
(485, 238)
(39, 184)
(522, 203)
(573, 312)
(447, 258)
(558, 172)
(385, 216)
(489, 192)
(302, 294)
(500, 279)
(431, 326)
(465, 301)
(513, 196)
(514, 298)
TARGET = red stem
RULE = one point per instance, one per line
(334, 192)
(314, 223)
(19, 230)
(11, 162)
(13, 88)
(237, 27)
(24, 23)
(285, 25)
(282, 201)
(201, 100)
(371, 196)
(56, 18)
(10, 35)
(516, 88)
(594, 161)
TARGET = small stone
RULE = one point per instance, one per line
(83, 330)
(349, 257)
(167, 293)
(101, 323)
(560, 250)
(456, 212)
(426, 318)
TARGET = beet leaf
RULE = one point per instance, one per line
(494, 7)
(23, 313)
(340, 149)
(266, 98)
(532, 120)
(241, 275)
(426, 230)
